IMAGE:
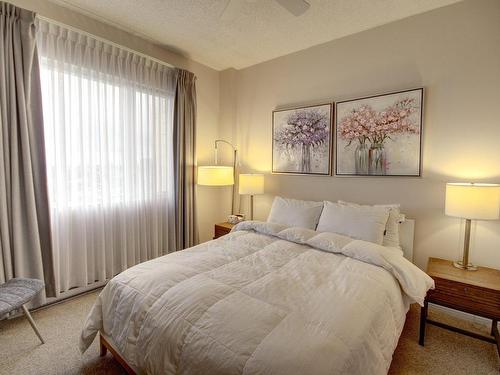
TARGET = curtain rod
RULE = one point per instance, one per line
(50, 20)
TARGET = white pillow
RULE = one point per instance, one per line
(363, 222)
(295, 213)
(391, 236)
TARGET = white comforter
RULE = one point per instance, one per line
(265, 299)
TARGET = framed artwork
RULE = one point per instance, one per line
(302, 140)
(380, 135)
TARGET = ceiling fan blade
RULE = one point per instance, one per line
(296, 7)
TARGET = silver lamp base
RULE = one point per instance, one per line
(468, 267)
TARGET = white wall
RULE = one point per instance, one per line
(454, 52)
(207, 90)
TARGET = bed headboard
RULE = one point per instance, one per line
(406, 237)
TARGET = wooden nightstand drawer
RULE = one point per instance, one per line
(467, 297)
(464, 303)
(467, 292)
(222, 229)
(220, 232)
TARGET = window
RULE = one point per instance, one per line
(108, 118)
(100, 137)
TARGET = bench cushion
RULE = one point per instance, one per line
(16, 292)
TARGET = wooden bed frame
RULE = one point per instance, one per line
(104, 346)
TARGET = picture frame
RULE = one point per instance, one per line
(380, 135)
(302, 140)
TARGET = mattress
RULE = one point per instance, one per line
(264, 299)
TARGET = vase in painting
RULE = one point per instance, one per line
(377, 159)
(361, 159)
(305, 165)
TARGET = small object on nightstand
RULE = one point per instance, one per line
(235, 219)
(476, 293)
(222, 229)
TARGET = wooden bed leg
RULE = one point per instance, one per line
(103, 348)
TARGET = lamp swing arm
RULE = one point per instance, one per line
(217, 141)
(235, 154)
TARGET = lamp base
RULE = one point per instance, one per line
(468, 267)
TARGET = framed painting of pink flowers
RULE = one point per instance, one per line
(302, 140)
(380, 135)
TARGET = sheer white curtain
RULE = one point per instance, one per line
(108, 118)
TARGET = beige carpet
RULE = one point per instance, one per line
(20, 352)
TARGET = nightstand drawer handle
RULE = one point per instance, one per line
(466, 290)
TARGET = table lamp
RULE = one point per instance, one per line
(251, 184)
(219, 175)
(471, 201)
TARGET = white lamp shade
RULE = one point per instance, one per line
(473, 201)
(251, 184)
(215, 175)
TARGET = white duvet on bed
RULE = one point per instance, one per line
(265, 299)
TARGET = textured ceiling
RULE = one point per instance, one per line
(253, 32)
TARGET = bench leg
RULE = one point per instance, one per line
(32, 322)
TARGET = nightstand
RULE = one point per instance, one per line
(222, 229)
(473, 292)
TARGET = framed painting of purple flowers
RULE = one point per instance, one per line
(302, 140)
(380, 135)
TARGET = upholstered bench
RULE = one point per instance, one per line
(15, 293)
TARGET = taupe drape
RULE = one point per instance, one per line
(25, 242)
(185, 160)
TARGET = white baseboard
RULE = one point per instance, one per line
(72, 293)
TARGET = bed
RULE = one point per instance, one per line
(264, 299)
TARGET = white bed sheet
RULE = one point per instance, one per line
(264, 299)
